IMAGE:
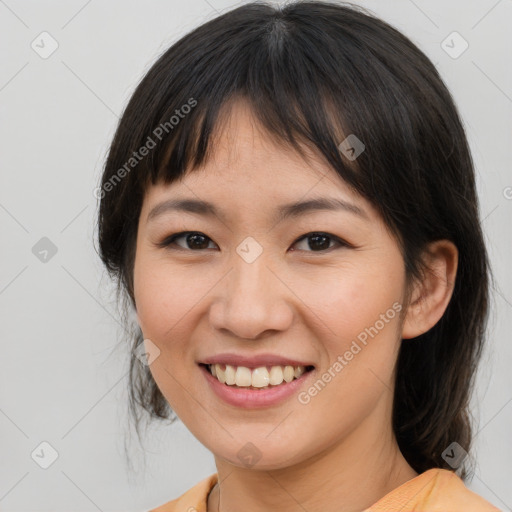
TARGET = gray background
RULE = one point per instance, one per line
(62, 375)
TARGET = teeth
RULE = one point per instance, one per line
(276, 375)
(261, 377)
(242, 376)
(230, 375)
(288, 373)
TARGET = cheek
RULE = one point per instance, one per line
(163, 295)
(350, 299)
(152, 301)
(165, 306)
(357, 314)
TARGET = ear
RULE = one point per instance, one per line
(430, 297)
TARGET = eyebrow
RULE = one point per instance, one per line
(286, 211)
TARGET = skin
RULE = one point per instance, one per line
(337, 452)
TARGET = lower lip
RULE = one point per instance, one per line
(254, 398)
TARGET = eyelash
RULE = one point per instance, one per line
(169, 242)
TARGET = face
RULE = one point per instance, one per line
(317, 286)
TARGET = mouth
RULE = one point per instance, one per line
(260, 378)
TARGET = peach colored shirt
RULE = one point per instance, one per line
(435, 490)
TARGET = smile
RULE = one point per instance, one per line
(257, 378)
(247, 396)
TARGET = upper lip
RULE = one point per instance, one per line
(254, 361)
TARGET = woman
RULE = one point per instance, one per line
(289, 207)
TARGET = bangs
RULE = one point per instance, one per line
(292, 116)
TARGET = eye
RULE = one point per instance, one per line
(319, 241)
(195, 240)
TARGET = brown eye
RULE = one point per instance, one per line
(320, 242)
(194, 240)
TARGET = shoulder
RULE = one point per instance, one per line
(450, 489)
(435, 490)
(193, 500)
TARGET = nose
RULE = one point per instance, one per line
(252, 299)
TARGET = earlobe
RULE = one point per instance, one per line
(431, 296)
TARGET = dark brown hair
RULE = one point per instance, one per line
(312, 71)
